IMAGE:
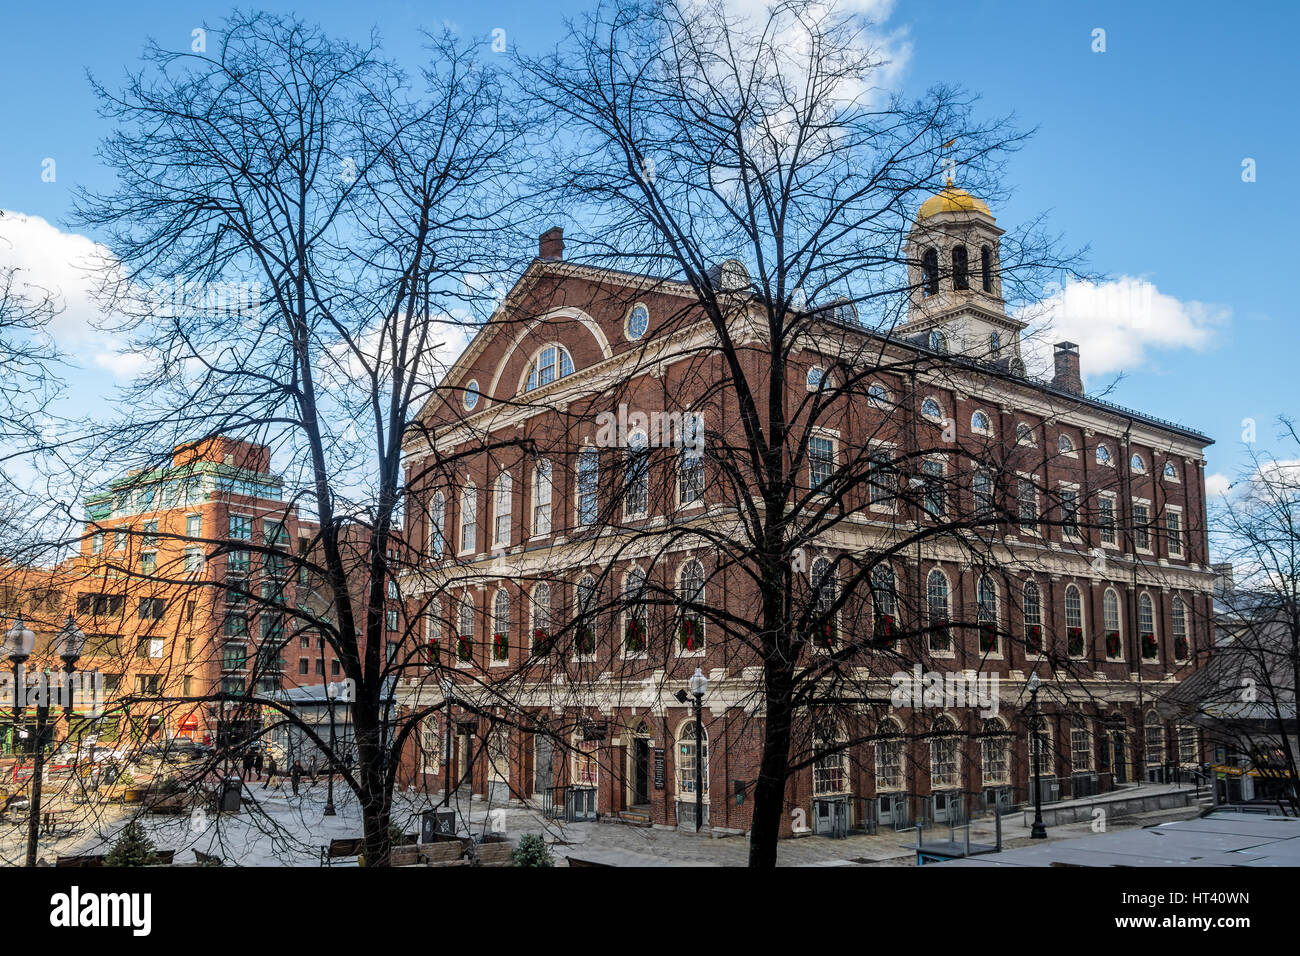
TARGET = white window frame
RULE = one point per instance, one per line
(1150, 536)
(437, 524)
(1119, 624)
(1021, 479)
(468, 537)
(1175, 511)
(951, 650)
(591, 453)
(1113, 499)
(1066, 532)
(638, 444)
(503, 494)
(874, 447)
(986, 429)
(543, 495)
(827, 435)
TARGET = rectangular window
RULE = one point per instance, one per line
(193, 526)
(1174, 527)
(303, 665)
(97, 543)
(1028, 506)
(151, 609)
(935, 502)
(881, 478)
(502, 508)
(274, 532)
(542, 487)
(982, 494)
(119, 539)
(148, 562)
(241, 527)
(468, 520)
(149, 536)
(692, 476)
(194, 559)
(1106, 519)
(1141, 527)
(390, 618)
(588, 484)
(821, 461)
(1070, 512)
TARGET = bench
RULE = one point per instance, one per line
(341, 850)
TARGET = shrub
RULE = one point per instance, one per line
(132, 848)
(532, 851)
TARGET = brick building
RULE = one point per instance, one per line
(542, 544)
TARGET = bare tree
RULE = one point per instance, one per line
(302, 228)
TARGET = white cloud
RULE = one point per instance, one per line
(1216, 485)
(69, 267)
(1117, 324)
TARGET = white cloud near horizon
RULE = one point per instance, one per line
(1117, 324)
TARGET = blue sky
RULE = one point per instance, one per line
(1139, 156)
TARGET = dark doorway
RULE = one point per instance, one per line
(640, 771)
(543, 766)
(1121, 765)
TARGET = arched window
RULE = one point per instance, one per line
(890, 756)
(1064, 445)
(986, 614)
(995, 746)
(1033, 608)
(825, 587)
(995, 344)
(1112, 624)
(542, 486)
(437, 519)
(690, 479)
(501, 626)
(1103, 454)
(1147, 627)
(501, 508)
(469, 519)
(690, 637)
(979, 422)
(686, 759)
(938, 342)
(945, 754)
(885, 602)
(1137, 465)
(465, 628)
(936, 595)
(1170, 471)
(1024, 434)
(816, 376)
(585, 625)
(986, 268)
(932, 409)
(1074, 643)
(878, 395)
(1080, 744)
(637, 491)
(588, 485)
(541, 618)
(634, 618)
(432, 633)
(960, 268)
(930, 270)
(1178, 624)
(552, 362)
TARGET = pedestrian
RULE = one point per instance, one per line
(248, 763)
(295, 775)
(259, 761)
(311, 767)
(270, 770)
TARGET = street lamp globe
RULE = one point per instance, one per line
(70, 643)
(19, 642)
(699, 683)
(1033, 683)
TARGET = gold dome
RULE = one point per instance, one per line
(952, 199)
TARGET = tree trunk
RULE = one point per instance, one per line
(769, 792)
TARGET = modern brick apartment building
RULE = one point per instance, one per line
(1094, 575)
(183, 584)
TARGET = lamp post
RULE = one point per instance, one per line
(331, 693)
(1037, 831)
(699, 684)
(448, 693)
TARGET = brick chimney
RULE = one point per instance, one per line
(550, 244)
(1067, 377)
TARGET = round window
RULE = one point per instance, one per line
(471, 394)
(638, 320)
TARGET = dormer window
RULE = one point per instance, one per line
(552, 362)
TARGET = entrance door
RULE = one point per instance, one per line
(543, 765)
(1121, 764)
(463, 751)
(640, 771)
